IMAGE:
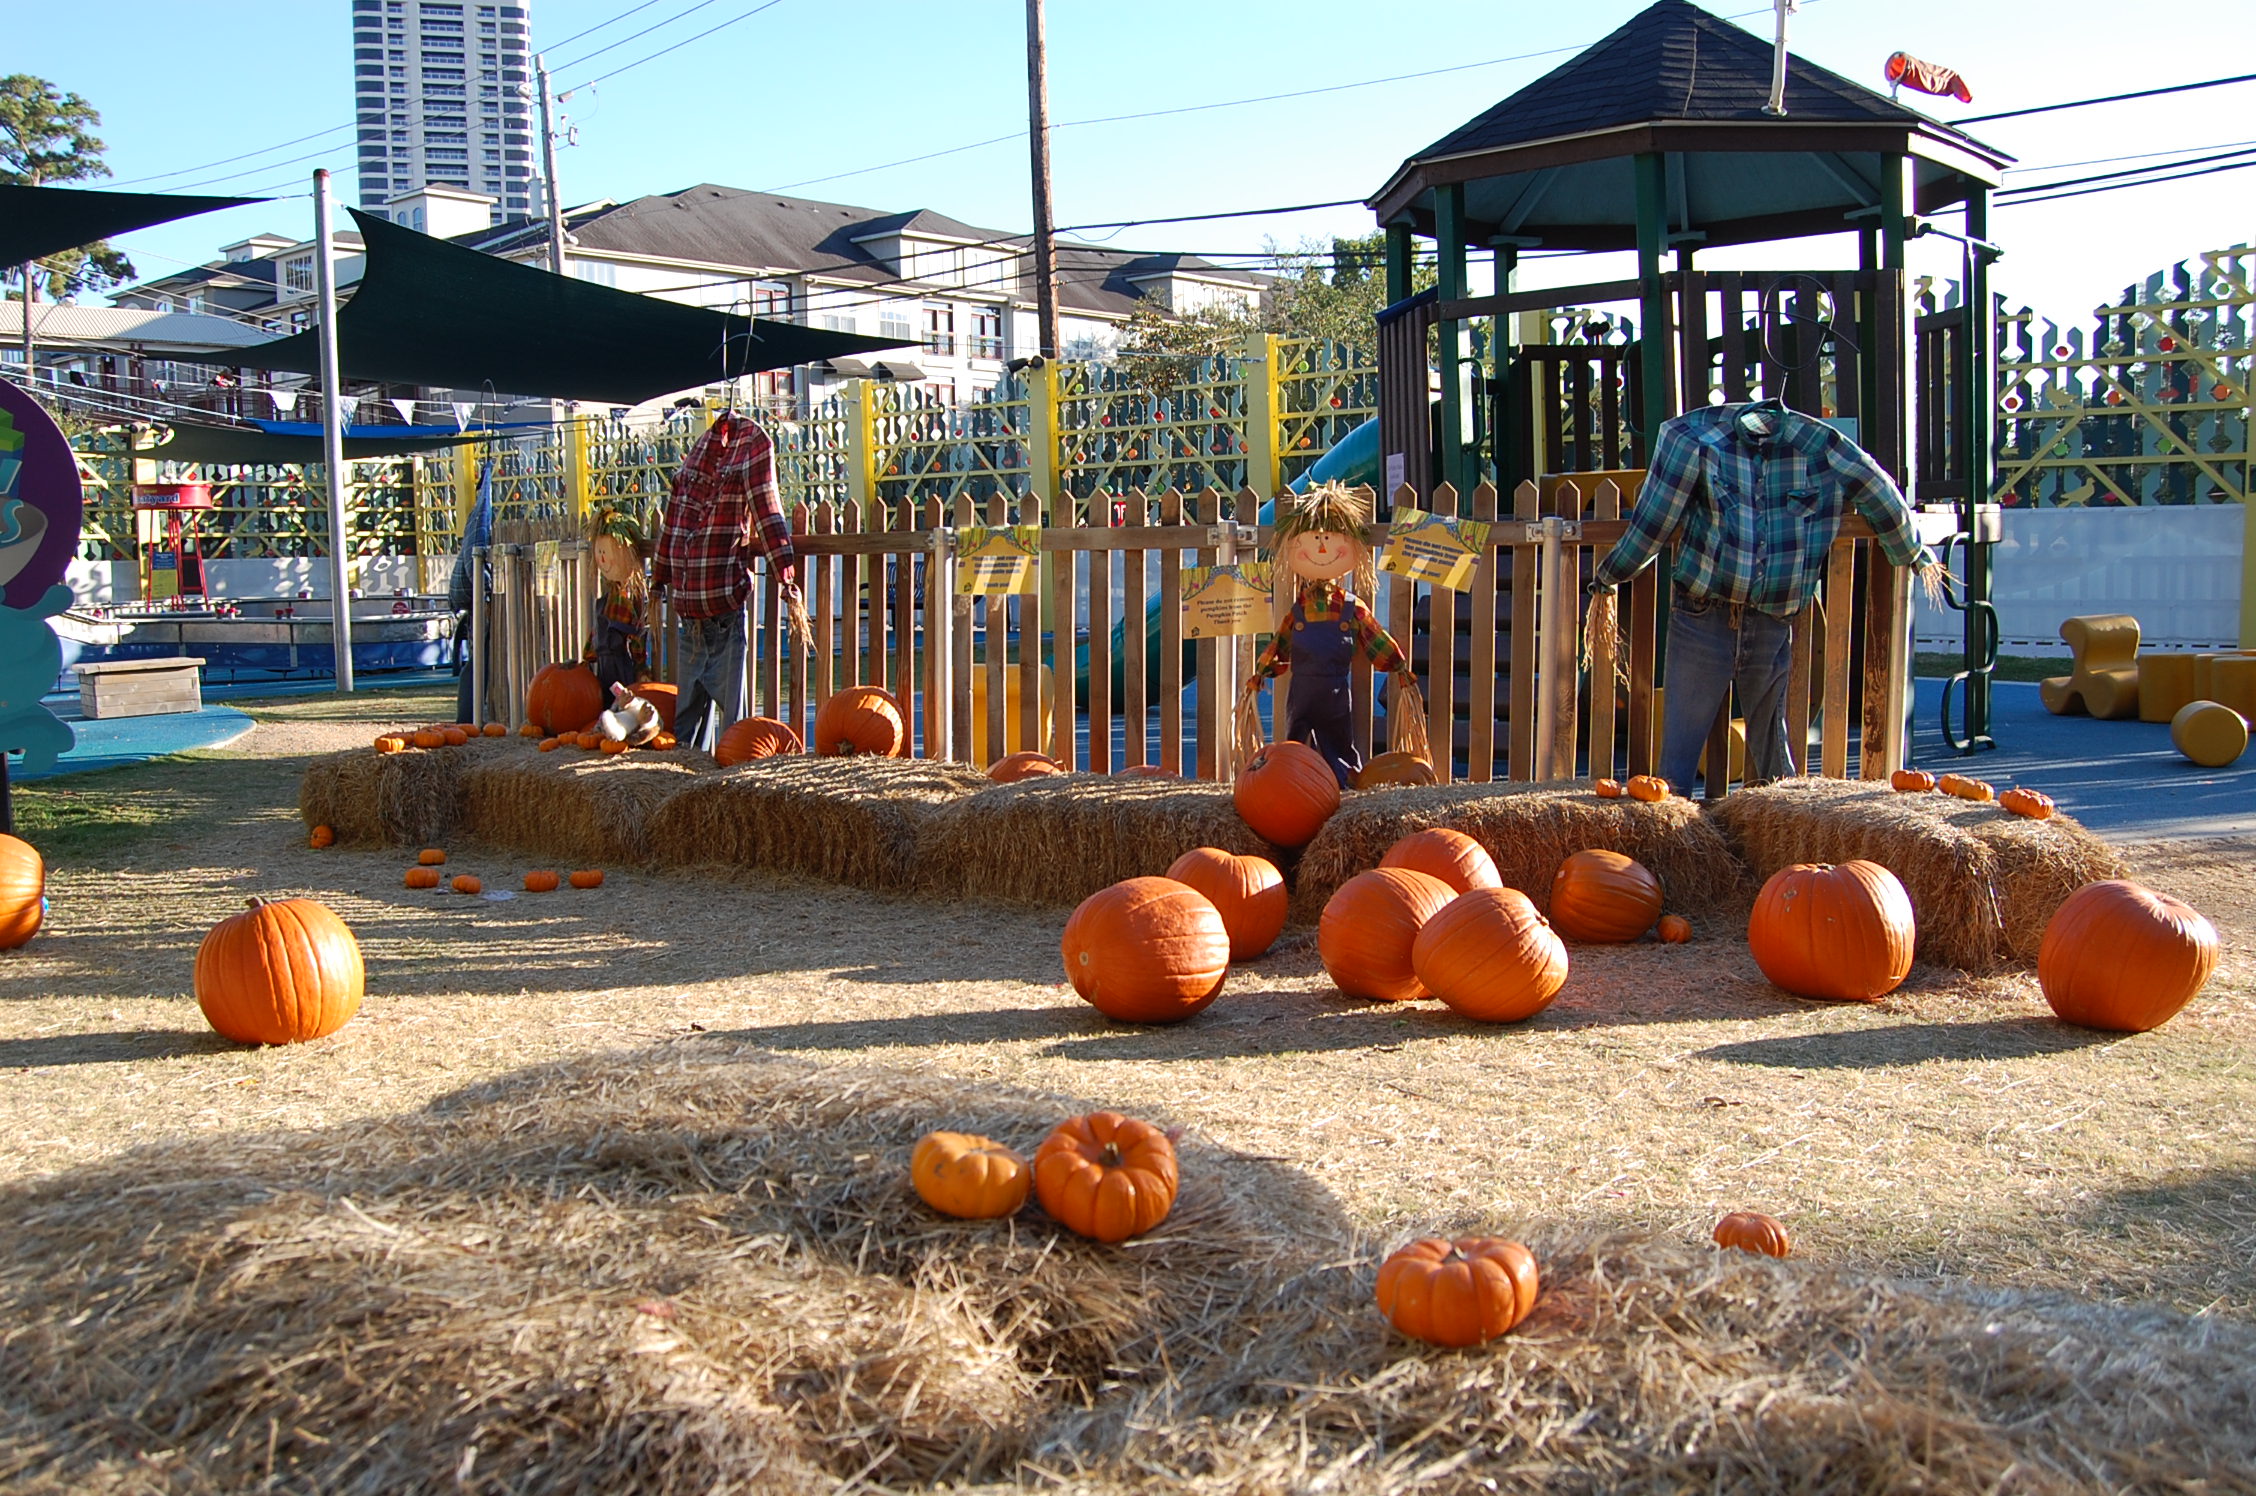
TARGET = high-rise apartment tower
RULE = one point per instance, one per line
(443, 90)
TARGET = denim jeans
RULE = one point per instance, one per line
(711, 675)
(1714, 647)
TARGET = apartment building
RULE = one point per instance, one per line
(443, 97)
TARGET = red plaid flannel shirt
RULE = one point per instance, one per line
(724, 509)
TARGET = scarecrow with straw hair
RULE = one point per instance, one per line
(618, 646)
(1323, 539)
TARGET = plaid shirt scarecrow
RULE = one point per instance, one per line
(725, 508)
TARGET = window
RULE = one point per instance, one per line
(771, 299)
(840, 322)
(940, 328)
(297, 274)
(443, 154)
(987, 332)
(893, 324)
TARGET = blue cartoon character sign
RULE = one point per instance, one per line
(40, 508)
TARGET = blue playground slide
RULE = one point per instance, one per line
(1353, 459)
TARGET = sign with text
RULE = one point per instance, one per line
(998, 561)
(1220, 601)
(1437, 548)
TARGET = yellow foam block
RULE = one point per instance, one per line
(2165, 684)
(2232, 681)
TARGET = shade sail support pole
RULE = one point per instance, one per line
(333, 437)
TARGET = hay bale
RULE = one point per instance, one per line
(574, 804)
(849, 820)
(408, 799)
(1529, 829)
(1061, 837)
(1983, 881)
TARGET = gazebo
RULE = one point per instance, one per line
(1665, 138)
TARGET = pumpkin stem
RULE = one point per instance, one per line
(1111, 1158)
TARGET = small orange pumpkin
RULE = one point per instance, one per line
(1106, 1176)
(755, 737)
(550, 745)
(1390, 769)
(587, 877)
(1490, 956)
(1141, 771)
(1647, 787)
(1011, 768)
(426, 737)
(1965, 788)
(532, 730)
(467, 883)
(862, 719)
(1603, 897)
(1843, 932)
(1752, 1231)
(1286, 792)
(1458, 1293)
(612, 745)
(422, 877)
(1247, 891)
(2034, 804)
(541, 880)
(390, 743)
(1369, 927)
(455, 737)
(322, 836)
(1452, 856)
(279, 972)
(1608, 789)
(1674, 929)
(431, 857)
(2117, 955)
(1146, 950)
(963, 1174)
(1912, 781)
(589, 739)
(664, 742)
(495, 730)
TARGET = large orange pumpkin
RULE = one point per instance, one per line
(1604, 898)
(963, 1174)
(1247, 891)
(2117, 955)
(279, 972)
(755, 737)
(23, 888)
(1458, 1293)
(1752, 1231)
(1028, 765)
(862, 719)
(1452, 856)
(1390, 769)
(1369, 926)
(564, 698)
(1490, 956)
(1146, 950)
(1106, 1176)
(1286, 792)
(1843, 932)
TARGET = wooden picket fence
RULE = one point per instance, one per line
(869, 583)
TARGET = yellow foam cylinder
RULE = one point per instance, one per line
(2165, 684)
(2210, 733)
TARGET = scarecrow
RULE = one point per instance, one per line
(619, 641)
(1323, 540)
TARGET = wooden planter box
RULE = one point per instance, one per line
(141, 688)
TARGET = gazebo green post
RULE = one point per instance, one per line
(1654, 404)
(1399, 248)
(1449, 245)
(1977, 448)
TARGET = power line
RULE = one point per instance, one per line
(2144, 93)
(2129, 171)
(230, 160)
(2206, 171)
(600, 25)
(662, 51)
(2214, 145)
(632, 36)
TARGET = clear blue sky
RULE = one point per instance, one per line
(812, 89)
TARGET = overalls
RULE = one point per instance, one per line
(1319, 709)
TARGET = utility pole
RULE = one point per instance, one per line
(1038, 138)
(31, 377)
(548, 170)
(333, 438)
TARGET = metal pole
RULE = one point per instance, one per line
(1551, 646)
(31, 377)
(548, 168)
(480, 614)
(333, 439)
(1038, 140)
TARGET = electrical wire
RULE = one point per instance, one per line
(2144, 93)
(600, 25)
(230, 160)
(635, 35)
(2129, 171)
(662, 51)
(2215, 145)
(2206, 171)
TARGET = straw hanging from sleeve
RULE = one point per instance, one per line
(1406, 718)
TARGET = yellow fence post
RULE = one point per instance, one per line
(1045, 482)
(861, 451)
(576, 464)
(2248, 565)
(1265, 443)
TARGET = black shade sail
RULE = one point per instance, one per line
(37, 221)
(428, 312)
(236, 446)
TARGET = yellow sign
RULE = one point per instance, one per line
(1226, 600)
(1436, 548)
(996, 561)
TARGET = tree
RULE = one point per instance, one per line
(1334, 291)
(46, 137)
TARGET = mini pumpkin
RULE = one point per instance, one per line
(1752, 1231)
(322, 836)
(279, 972)
(1142, 771)
(2118, 955)
(589, 739)
(455, 737)
(1843, 932)
(541, 880)
(1965, 788)
(1603, 897)
(963, 1174)
(431, 857)
(2034, 804)
(862, 719)
(1458, 1293)
(612, 745)
(1490, 956)
(1106, 1176)
(467, 883)
(426, 737)
(1608, 789)
(1674, 929)
(1286, 792)
(23, 891)
(1011, 768)
(665, 742)
(390, 743)
(1146, 950)
(1247, 891)
(1390, 769)
(754, 737)
(495, 730)
(1647, 787)
(587, 877)
(1452, 856)
(1369, 927)
(422, 877)
(532, 730)
(550, 745)
(1912, 781)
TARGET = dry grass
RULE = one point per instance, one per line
(405, 799)
(1982, 881)
(1529, 830)
(703, 1271)
(1059, 838)
(573, 804)
(853, 820)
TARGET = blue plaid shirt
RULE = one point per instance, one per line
(1752, 497)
